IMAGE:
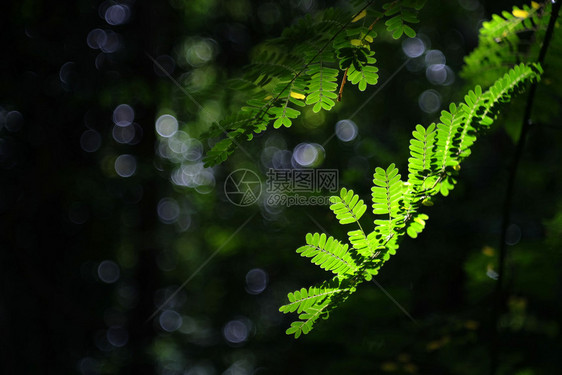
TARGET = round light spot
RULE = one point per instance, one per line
(89, 366)
(108, 272)
(78, 213)
(282, 159)
(308, 154)
(124, 134)
(96, 38)
(236, 331)
(170, 320)
(138, 135)
(429, 101)
(440, 74)
(125, 165)
(346, 130)
(199, 51)
(205, 182)
(267, 155)
(13, 121)
(413, 47)
(513, 235)
(123, 115)
(435, 56)
(66, 72)
(112, 42)
(179, 143)
(168, 210)
(194, 151)
(117, 336)
(256, 281)
(166, 126)
(100, 60)
(90, 140)
(117, 14)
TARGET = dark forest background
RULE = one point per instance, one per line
(99, 230)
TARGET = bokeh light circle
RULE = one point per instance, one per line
(346, 130)
(108, 271)
(90, 140)
(123, 115)
(434, 56)
(117, 14)
(256, 281)
(308, 155)
(125, 165)
(236, 331)
(429, 101)
(413, 47)
(168, 210)
(117, 336)
(96, 38)
(170, 320)
(166, 126)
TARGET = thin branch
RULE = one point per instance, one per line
(506, 217)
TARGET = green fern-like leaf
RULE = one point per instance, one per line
(347, 207)
(500, 42)
(436, 152)
(402, 13)
(422, 163)
(328, 253)
(365, 245)
(474, 101)
(367, 75)
(504, 88)
(315, 302)
(447, 129)
(387, 191)
(322, 86)
(302, 299)
(416, 225)
(300, 68)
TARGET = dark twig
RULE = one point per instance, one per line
(506, 216)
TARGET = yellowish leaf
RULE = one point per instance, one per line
(419, 221)
(297, 95)
(535, 5)
(389, 367)
(356, 42)
(404, 358)
(359, 16)
(520, 13)
(268, 97)
(410, 368)
(427, 202)
(471, 325)
(488, 251)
